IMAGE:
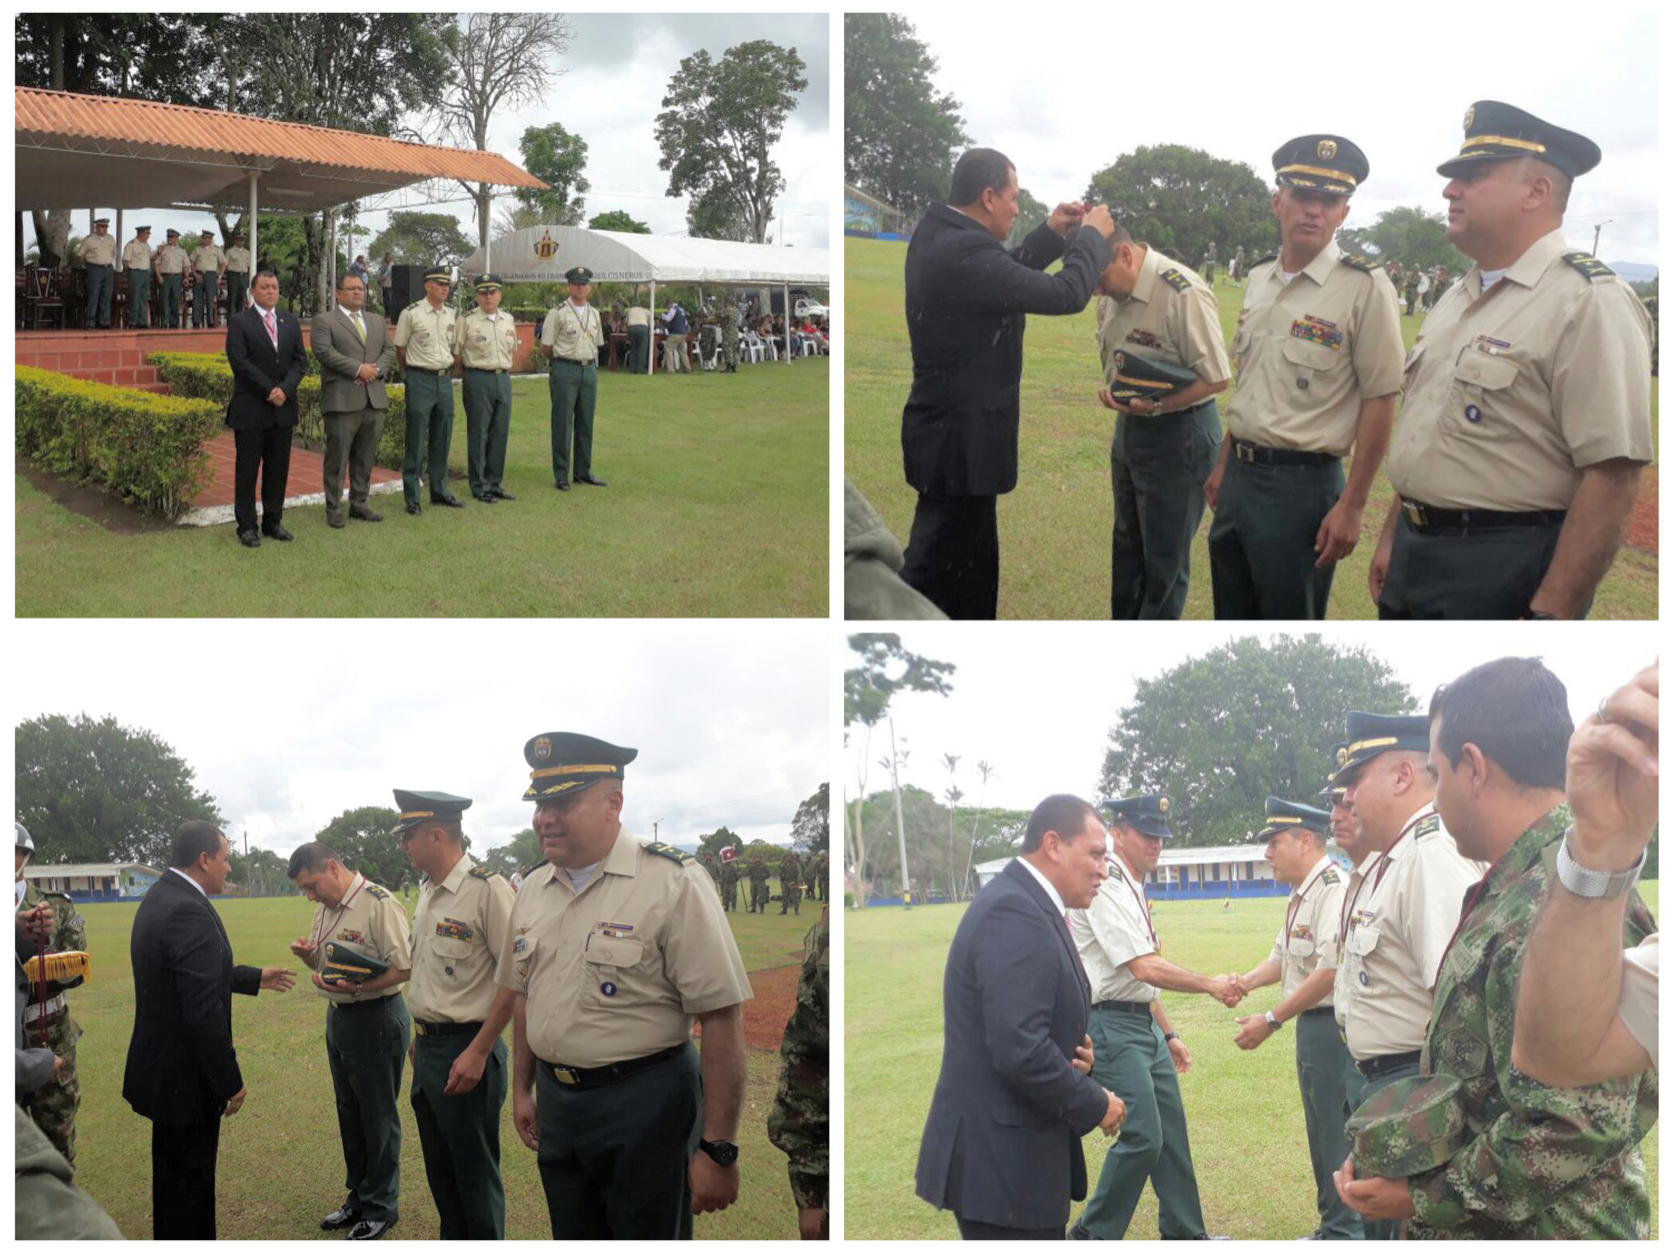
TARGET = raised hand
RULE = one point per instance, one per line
(1613, 775)
(1066, 218)
(1100, 220)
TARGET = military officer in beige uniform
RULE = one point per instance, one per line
(98, 257)
(1526, 424)
(171, 262)
(208, 261)
(1402, 913)
(1303, 959)
(361, 953)
(485, 342)
(136, 264)
(238, 267)
(574, 333)
(616, 947)
(425, 337)
(459, 932)
(1318, 355)
(1152, 307)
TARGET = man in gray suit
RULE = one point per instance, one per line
(355, 353)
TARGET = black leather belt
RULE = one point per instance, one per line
(444, 1029)
(578, 361)
(1259, 454)
(1427, 518)
(1370, 1068)
(1124, 1007)
(427, 370)
(363, 1005)
(483, 370)
(594, 1077)
(1319, 1010)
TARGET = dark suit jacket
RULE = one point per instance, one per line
(966, 304)
(181, 1063)
(257, 369)
(341, 354)
(1002, 1144)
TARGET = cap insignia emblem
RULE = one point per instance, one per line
(542, 748)
(1326, 148)
(1468, 117)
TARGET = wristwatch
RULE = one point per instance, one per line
(1272, 1021)
(1169, 1036)
(722, 1152)
(1597, 885)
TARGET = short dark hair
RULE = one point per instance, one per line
(977, 170)
(1515, 711)
(1062, 813)
(310, 857)
(266, 272)
(345, 278)
(195, 838)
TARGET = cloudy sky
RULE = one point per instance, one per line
(1239, 94)
(731, 720)
(618, 67)
(1037, 700)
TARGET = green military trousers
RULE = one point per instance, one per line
(53, 1107)
(1359, 1091)
(460, 1137)
(237, 290)
(1131, 1061)
(615, 1156)
(429, 425)
(366, 1044)
(574, 388)
(487, 417)
(1321, 1063)
(1480, 572)
(139, 298)
(1260, 543)
(173, 286)
(1157, 467)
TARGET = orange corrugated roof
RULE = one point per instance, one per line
(113, 119)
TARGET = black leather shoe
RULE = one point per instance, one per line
(277, 532)
(562, 485)
(249, 539)
(342, 1217)
(336, 520)
(487, 498)
(597, 483)
(364, 514)
(451, 502)
(369, 1229)
(503, 495)
(1079, 1232)
(412, 507)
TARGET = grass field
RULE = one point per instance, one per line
(717, 505)
(281, 1164)
(1054, 528)
(1247, 1133)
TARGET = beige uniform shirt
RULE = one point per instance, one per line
(427, 334)
(1306, 941)
(618, 970)
(136, 255)
(171, 259)
(484, 343)
(237, 260)
(1510, 395)
(372, 920)
(573, 332)
(1171, 316)
(638, 316)
(1400, 928)
(1341, 996)
(208, 259)
(1311, 351)
(1640, 995)
(97, 250)
(460, 931)
(1111, 932)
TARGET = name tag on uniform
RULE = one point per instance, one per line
(1490, 346)
(614, 929)
(519, 947)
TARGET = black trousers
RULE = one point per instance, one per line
(974, 1230)
(183, 1180)
(1489, 572)
(952, 556)
(266, 453)
(1260, 543)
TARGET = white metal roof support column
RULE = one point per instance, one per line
(255, 248)
(788, 352)
(652, 326)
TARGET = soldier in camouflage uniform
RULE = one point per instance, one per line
(729, 875)
(52, 1107)
(759, 893)
(789, 882)
(815, 876)
(1535, 1162)
(800, 1120)
(707, 860)
(728, 336)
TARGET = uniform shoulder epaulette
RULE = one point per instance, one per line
(379, 894)
(1329, 876)
(1175, 279)
(668, 851)
(1587, 265)
(1359, 262)
(1268, 257)
(481, 872)
(1427, 827)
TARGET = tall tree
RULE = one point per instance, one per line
(555, 155)
(1182, 199)
(1264, 719)
(361, 840)
(94, 790)
(1414, 237)
(717, 214)
(810, 830)
(899, 132)
(499, 60)
(1031, 214)
(719, 122)
(717, 840)
(618, 220)
(521, 850)
(422, 238)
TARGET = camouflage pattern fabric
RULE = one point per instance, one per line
(1410, 1126)
(759, 892)
(1536, 1162)
(729, 875)
(53, 1107)
(728, 335)
(789, 880)
(800, 1120)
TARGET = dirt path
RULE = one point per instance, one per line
(766, 1013)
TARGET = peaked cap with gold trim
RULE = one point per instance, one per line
(1146, 813)
(1494, 131)
(1286, 816)
(1372, 734)
(418, 807)
(1321, 163)
(562, 762)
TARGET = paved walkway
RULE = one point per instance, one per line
(213, 505)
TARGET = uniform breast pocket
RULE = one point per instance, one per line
(1360, 945)
(522, 956)
(1478, 406)
(1311, 365)
(1302, 948)
(608, 959)
(456, 958)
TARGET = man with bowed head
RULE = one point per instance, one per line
(1001, 1148)
(967, 301)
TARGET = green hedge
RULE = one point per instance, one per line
(207, 375)
(147, 448)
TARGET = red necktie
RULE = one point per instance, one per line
(272, 328)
